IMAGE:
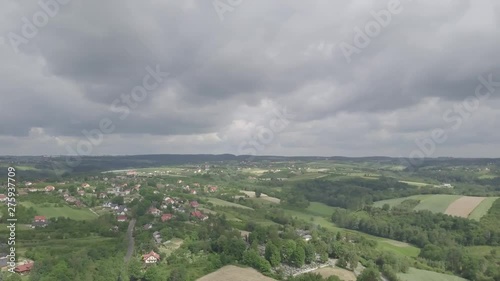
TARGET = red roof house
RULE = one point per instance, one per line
(199, 215)
(151, 257)
(24, 268)
(3, 198)
(166, 217)
(121, 218)
(194, 204)
(40, 219)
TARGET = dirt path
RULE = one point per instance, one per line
(463, 206)
(93, 212)
(130, 237)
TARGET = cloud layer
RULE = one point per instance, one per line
(235, 66)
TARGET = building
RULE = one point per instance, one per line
(24, 268)
(3, 198)
(199, 215)
(39, 219)
(85, 185)
(194, 204)
(151, 257)
(154, 211)
(121, 218)
(49, 188)
(166, 217)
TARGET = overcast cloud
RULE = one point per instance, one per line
(229, 75)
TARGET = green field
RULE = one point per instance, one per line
(482, 209)
(320, 209)
(223, 203)
(437, 203)
(424, 275)
(396, 201)
(66, 211)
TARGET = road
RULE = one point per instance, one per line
(130, 237)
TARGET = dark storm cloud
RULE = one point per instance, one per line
(224, 72)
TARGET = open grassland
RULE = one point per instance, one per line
(463, 206)
(482, 209)
(424, 275)
(170, 246)
(437, 203)
(65, 211)
(343, 274)
(396, 201)
(234, 273)
(220, 202)
(320, 209)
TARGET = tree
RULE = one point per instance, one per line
(253, 259)
(272, 254)
(178, 274)
(258, 193)
(310, 253)
(298, 257)
(369, 274)
(117, 200)
(135, 269)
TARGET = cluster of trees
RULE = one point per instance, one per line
(355, 193)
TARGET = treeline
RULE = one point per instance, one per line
(356, 193)
(419, 228)
(441, 237)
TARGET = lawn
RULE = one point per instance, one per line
(437, 203)
(65, 211)
(223, 203)
(424, 275)
(482, 209)
(170, 246)
(320, 209)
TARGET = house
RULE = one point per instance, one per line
(199, 215)
(193, 192)
(151, 257)
(40, 219)
(3, 198)
(85, 185)
(49, 188)
(121, 218)
(28, 183)
(194, 204)
(81, 192)
(153, 211)
(38, 224)
(169, 201)
(147, 226)
(166, 217)
(137, 187)
(102, 195)
(131, 173)
(307, 237)
(121, 210)
(3, 261)
(24, 268)
(212, 189)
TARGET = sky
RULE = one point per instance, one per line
(286, 77)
